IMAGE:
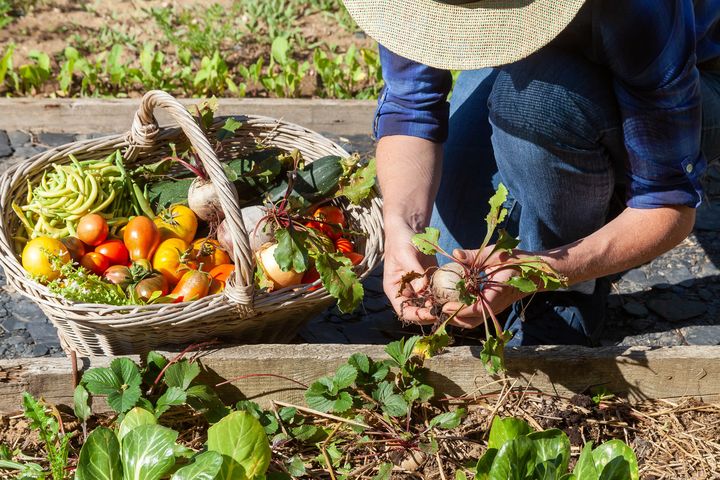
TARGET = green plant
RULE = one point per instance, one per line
(286, 83)
(355, 74)
(6, 69)
(51, 433)
(34, 75)
(213, 76)
(515, 451)
(5, 17)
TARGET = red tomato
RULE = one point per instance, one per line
(332, 221)
(192, 286)
(115, 251)
(344, 245)
(76, 248)
(355, 258)
(92, 229)
(155, 282)
(95, 262)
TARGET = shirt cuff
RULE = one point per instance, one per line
(394, 119)
(688, 191)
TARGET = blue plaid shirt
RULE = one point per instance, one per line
(652, 48)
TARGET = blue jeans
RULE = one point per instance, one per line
(549, 128)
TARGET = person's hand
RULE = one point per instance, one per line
(401, 257)
(496, 297)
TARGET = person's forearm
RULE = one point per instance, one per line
(633, 238)
(409, 174)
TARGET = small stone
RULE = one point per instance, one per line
(19, 138)
(5, 148)
(27, 152)
(636, 276)
(636, 309)
(16, 340)
(40, 350)
(55, 139)
(654, 339)
(702, 334)
(678, 274)
(709, 270)
(676, 310)
(706, 294)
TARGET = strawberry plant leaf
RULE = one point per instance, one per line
(126, 371)
(339, 279)
(395, 405)
(101, 381)
(173, 396)
(430, 345)
(401, 350)
(359, 184)
(427, 242)
(492, 356)
(448, 420)
(181, 374)
(345, 376)
(496, 215)
(291, 253)
(384, 472)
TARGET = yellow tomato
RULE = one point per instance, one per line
(207, 253)
(36, 257)
(178, 221)
(169, 259)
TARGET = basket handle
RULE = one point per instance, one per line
(143, 132)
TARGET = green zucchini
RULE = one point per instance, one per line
(316, 181)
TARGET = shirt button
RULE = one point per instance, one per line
(689, 168)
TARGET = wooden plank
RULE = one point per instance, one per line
(639, 372)
(339, 117)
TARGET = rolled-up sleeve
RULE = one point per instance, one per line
(414, 99)
(650, 47)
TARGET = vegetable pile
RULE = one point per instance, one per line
(95, 231)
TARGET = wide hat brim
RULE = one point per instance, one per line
(473, 35)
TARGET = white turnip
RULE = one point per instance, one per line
(203, 199)
(265, 258)
(443, 283)
(256, 225)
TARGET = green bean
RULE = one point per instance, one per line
(104, 203)
(91, 198)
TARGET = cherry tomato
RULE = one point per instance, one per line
(208, 254)
(193, 285)
(115, 251)
(97, 263)
(119, 275)
(75, 246)
(332, 221)
(155, 282)
(92, 229)
(344, 245)
(141, 238)
(354, 257)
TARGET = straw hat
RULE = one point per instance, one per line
(463, 35)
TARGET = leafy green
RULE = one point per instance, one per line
(493, 353)
(328, 393)
(148, 452)
(81, 406)
(357, 186)
(615, 460)
(57, 444)
(181, 374)
(242, 442)
(427, 242)
(339, 279)
(514, 461)
(120, 382)
(100, 457)
(205, 466)
(506, 429)
(448, 420)
(133, 419)
(228, 129)
(291, 252)
(77, 284)
(496, 214)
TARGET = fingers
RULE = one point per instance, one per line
(405, 306)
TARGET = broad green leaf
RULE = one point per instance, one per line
(342, 403)
(448, 420)
(241, 440)
(514, 461)
(585, 466)
(154, 358)
(133, 419)
(359, 184)
(506, 242)
(338, 277)
(172, 396)
(204, 399)
(427, 242)
(148, 452)
(126, 371)
(430, 345)
(484, 464)
(123, 400)
(81, 406)
(181, 374)
(493, 355)
(345, 376)
(395, 405)
(360, 361)
(506, 429)
(279, 50)
(296, 467)
(496, 215)
(460, 475)
(291, 253)
(205, 466)
(615, 460)
(383, 390)
(100, 457)
(101, 381)
(546, 471)
(552, 446)
(525, 285)
(323, 399)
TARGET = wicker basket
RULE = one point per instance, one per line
(238, 314)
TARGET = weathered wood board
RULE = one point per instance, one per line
(340, 117)
(639, 372)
